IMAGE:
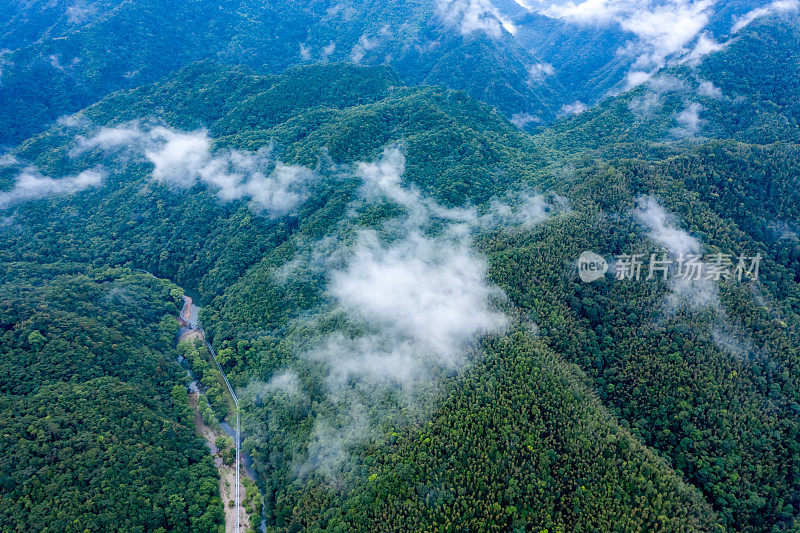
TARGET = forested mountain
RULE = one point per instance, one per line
(721, 98)
(96, 430)
(60, 58)
(387, 267)
(605, 49)
(532, 62)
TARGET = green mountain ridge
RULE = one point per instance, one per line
(726, 98)
(94, 413)
(599, 407)
(73, 65)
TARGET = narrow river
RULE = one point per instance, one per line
(190, 329)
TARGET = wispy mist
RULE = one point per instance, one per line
(779, 6)
(663, 228)
(411, 296)
(418, 298)
(539, 71)
(31, 184)
(689, 121)
(575, 108)
(360, 49)
(694, 295)
(183, 159)
(654, 97)
(8, 160)
(662, 30)
(474, 16)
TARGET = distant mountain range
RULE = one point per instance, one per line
(535, 63)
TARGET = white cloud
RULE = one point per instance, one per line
(733, 340)
(666, 84)
(666, 29)
(689, 121)
(409, 299)
(286, 384)
(361, 48)
(587, 11)
(707, 88)
(692, 294)
(30, 184)
(108, 138)
(575, 108)
(415, 298)
(182, 159)
(8, 160)
(55, 62)
(779, 6)
(429, 290)
(539, 71)
(686, 292)
(521, 120)
(663, 228)
(652, 98)
(305, 52)
(178, 158)
(383, 179)
(332, 439)
(662, 29)
(705, 45)
(525, 211)
(328, 50)
(342, 11)
(474, 16)
(636, 78)
(644, 105)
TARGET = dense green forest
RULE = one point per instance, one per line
(57, 62)
(569, 406)
(731, 99)
(97, 431)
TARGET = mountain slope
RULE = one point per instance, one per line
(94, 409)
(456, 151)
(720, 98)
(64, 66)
(711, 390)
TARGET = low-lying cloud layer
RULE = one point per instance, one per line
(471, 16)
(662, 30)
(663, 228)
(415, 296)
(31, 184)
(182, 159)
